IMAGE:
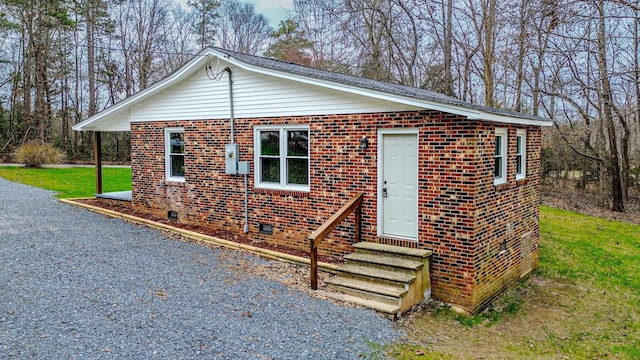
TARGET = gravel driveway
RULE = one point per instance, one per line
(79, 285)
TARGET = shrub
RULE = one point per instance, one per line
(36, 154)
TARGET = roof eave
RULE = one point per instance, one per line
(472, 114)
(184, 71)
(505, 119)
(90, 124)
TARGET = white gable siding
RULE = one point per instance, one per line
(255, 95)
(263, 91)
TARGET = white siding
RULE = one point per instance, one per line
(255, 95)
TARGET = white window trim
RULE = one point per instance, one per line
(283, 158)
(505, 140)
(167, 154)
(522, 133)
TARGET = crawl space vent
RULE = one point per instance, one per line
(265, 229)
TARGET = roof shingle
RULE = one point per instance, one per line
(369, 84)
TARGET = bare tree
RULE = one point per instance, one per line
(576, 61)
(38, 23)
(205, 13)
(140, 39)
(485, 24)
(178, 41)
(321, 23)
(241, 29)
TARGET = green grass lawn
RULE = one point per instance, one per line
(583, 303)
(69, 182)
(598, 261)
(579, 248)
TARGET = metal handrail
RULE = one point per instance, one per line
(355, 204)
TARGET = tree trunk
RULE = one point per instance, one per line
(448, 50)
(91, 61)
(636, 62)
(616, 193)
(27, 115)
(522, 41)
(626, 166)
(489, 27)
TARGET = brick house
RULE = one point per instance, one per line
(295, 143)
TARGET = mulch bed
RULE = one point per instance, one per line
(124, 207)
(561, 197)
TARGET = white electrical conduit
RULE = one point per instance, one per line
(246, 206)
(228, 70)
(231, 119)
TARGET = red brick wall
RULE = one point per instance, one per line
(462, 215)
(504, 213)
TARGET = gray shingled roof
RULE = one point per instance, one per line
(408, 91)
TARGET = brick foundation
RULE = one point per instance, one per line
(463, 217)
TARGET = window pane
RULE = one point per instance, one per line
(519, 145)
(270, 143)
(177, 143)
(177, 165)
(270, 170)
(498, 149)
(297, 143)
(497, 172)
(298, 171)
(519, 164)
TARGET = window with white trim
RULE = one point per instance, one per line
(500, 157)
(174, 154)
(281, 157)
(521, 154)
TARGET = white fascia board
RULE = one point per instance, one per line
(505, 119)
(82, 126)
(161, 85)
(120, 123)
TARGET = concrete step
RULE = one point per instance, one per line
(379, 289)
(385, 262)
(391, 251)
(393, 311)
(363, 294)
(388, 279)
(375, 275)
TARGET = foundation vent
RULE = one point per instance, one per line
(265, 229)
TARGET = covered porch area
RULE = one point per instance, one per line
(118, 124)
(116, 195)
(122, 195)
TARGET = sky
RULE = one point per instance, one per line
(272, 9)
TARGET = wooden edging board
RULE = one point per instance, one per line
(270, 254)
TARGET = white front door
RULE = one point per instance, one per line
(398, 184)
